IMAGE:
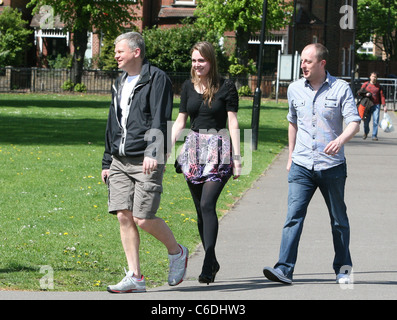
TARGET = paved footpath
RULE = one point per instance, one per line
(249, 239)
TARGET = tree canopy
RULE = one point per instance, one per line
(83, 16)
(377, 23)
(13, 37)
(231, 15)
(244, 17)
(169, 49)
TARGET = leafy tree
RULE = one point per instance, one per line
(244, 17)
(106, 60)
(83, 16)
(13, 37)
(377, 22)
(169, 49)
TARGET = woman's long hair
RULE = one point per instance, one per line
(207, 51)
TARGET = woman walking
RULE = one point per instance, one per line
(211, 153)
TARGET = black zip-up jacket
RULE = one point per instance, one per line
(145, 133)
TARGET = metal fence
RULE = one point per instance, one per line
(54, 80)
(389, 86)
(39, 80)
(100, 82)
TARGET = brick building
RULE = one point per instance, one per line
(164, 13)
(326, 22)
(17, 4)
(316, 21)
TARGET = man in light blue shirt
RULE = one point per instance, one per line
(318, 105)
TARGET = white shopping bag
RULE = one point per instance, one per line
(386, 123)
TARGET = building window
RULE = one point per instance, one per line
(185, 2)
(343, 61)
(349, 61)
(315, 39)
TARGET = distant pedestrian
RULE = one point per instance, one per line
(374, 92)
(209, 157)
(133, 165)
(318, 104)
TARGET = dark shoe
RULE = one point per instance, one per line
(276, 275)
(365, 136)
(203, 278)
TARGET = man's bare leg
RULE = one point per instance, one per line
(130, 239)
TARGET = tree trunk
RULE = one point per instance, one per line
(242, 38)
(80, 39)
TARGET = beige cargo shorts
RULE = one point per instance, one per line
(130, 189)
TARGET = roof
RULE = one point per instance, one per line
(176, 12)
(39, 21)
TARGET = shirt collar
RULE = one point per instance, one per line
(328, 79)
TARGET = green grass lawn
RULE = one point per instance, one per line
(54, 205)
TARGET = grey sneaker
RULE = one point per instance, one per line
(129, 284)
(276, 275)
(178, 265)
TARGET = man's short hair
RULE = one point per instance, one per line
(134, 40)
(322, 52)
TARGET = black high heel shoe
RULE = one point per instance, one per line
(203, 278)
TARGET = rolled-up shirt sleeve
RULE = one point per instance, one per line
(291, 116)
(349, 108)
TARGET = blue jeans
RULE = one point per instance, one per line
(374, 111)
(302, 185)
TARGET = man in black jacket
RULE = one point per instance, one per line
(134, 159)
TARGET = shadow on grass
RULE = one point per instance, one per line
(51, 102)
(25, 130)
(16, 267)
(47, 131)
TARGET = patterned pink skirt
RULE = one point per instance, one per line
(206, 157)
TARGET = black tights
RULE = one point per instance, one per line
(205, 195)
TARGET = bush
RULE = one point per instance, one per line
(105, 60)
(14, 37)
(169, 49)
(236, 69)
(67, 85)
(60, 62)
(245, 91)
(80, 87)
(70, 86)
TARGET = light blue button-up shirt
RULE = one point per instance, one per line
(319, 117)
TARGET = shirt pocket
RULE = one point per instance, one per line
(330, 107)
(331, 102)
(298, 103)
(299, 108)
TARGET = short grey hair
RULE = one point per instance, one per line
(134, 40)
